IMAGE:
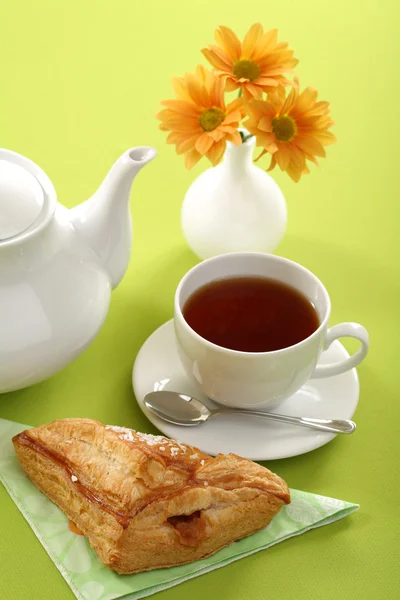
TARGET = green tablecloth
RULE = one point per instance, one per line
(80, 83)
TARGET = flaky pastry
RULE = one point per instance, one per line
(146, 502)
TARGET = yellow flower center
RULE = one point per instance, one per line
(246, 69)
(284, 128)
(211, 118)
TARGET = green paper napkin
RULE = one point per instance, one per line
(90, 580)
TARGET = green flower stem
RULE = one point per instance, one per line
(245, 137)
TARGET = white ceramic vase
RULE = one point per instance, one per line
(234, 207)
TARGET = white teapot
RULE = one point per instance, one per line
(58, 266)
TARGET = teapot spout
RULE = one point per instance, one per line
(104, 220)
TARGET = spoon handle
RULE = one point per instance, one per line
(331, 425)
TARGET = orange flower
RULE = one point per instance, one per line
(199, 121)
(293, 130)
(257, 65)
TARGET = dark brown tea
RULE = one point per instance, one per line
(251, 314)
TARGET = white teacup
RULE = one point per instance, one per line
(255, 379)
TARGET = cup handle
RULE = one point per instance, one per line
(353, 330)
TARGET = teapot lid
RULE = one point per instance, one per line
(23, 198)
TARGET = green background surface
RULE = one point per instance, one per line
(80, 83)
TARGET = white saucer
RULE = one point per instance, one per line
(157, 367)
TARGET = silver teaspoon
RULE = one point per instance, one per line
(181, 409)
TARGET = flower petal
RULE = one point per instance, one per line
(289, 102)
(217, 94)
(294, 172)
(272, 164)
(232, 117)
(276, 59)
(265, 124)
(310, 145)
(325, 137)
(213, 57)
(266, 140)
(204, 143)
(197, 92)
(228, 40)
(260, 155)
(181, 124)
(179, 87)
(251, 39)
(253, 90)
(261, 108)
(223, 57)
(266, 81)
(204, 75)
(227, 128)
(182, 106)
(216, 134)
(297, 157)
(266, 42)
(282, 157)
(216, 151)
(272, 148)
(165, 114)
(236, 138)
(191, 158)
(236, 105)
(186, 144)
(231, 84)
(306, 100)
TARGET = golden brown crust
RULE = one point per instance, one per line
(143, 501)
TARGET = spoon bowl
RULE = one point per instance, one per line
(178, 409)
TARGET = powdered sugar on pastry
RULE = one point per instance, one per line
(130, 435)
